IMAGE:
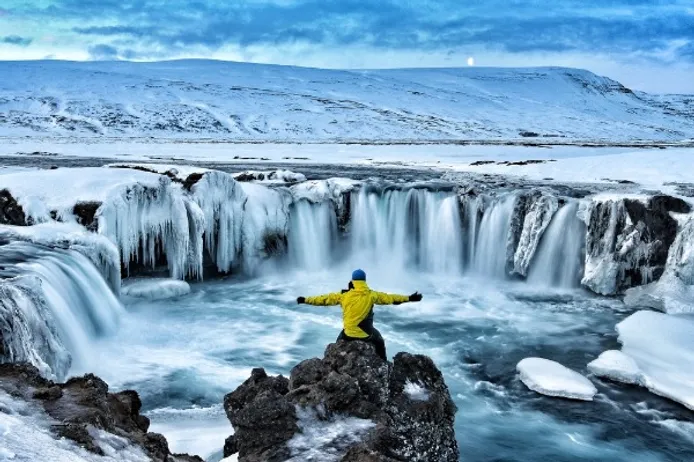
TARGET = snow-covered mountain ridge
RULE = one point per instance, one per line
(202, 100)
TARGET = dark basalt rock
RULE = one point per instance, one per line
(86, 213)
(11, 213)
(350, 381)
(85, 401)
(635, 235)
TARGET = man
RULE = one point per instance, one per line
(358, 310)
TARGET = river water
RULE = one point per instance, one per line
(184, 354)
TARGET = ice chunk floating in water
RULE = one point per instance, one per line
(552, 379)
(661, 346)
(615, 365)
(155, 288)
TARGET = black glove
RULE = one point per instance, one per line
(416, 297)
(301, 300)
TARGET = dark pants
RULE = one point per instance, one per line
(375, 339)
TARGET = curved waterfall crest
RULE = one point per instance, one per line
(54, 303)
(60, 281)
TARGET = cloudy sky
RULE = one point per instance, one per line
(646, 44)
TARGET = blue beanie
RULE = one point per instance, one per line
(358, 275)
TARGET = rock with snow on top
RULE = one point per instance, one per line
(86, 413)
(615, 365)
(277, 176)
(552, 379)
(155, 288)
(348, 406)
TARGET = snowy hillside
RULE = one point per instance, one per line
(233, 101)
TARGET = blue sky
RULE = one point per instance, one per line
(647, 45)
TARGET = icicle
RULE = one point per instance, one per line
(222, 201)
(142, 218)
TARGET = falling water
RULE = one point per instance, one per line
(79, 303)
(558, 261)
(413, 228)
(489, 257)
(312, 235)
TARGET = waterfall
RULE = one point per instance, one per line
(64, 307)
(312, 234)
(413, 228)
(558, 261)
(489, 258)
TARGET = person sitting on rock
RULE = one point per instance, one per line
(358, 310)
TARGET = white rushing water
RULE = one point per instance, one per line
(185, 353)
(489, 256)
(558, 261)
(69, 299)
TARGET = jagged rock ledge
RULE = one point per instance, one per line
(83, 404)
(350, 406)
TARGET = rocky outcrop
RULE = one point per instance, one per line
(376, 411)
(84, 403)
(628, 241)
(11, 213)
(532, 212)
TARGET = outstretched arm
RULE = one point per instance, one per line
(381, 298)
(322, 300)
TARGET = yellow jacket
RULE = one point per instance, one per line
(357, 306)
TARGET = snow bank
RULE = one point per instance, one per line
(26, 435)
(661, 347)
(323, 190)
(41, 191)
(615, 365)
(155, 288)
(552, 379)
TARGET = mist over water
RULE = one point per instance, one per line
(183, 355)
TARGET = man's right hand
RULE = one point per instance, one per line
(301, 300)
(416, 297)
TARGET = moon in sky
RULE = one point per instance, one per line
(471, 61)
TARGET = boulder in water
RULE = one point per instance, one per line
(348, 406)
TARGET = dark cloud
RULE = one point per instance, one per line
(16, 40)
(619, 27)
(103, 52)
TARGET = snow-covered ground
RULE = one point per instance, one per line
(237, 101)
(649, 167)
